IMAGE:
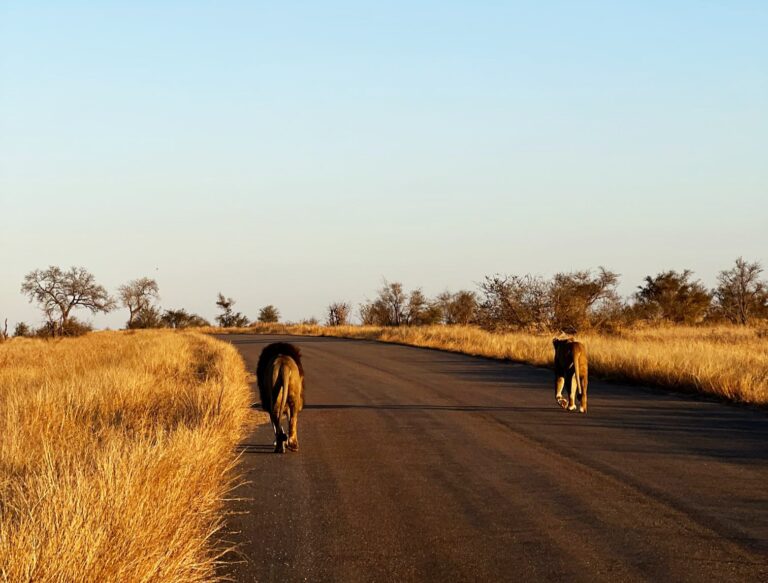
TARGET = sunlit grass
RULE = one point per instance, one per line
(116, 451)
(727, 361)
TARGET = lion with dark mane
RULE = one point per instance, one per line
(280, 377)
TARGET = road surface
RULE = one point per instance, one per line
(420, 465)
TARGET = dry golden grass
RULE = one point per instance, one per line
(116, 450)
(726, 361)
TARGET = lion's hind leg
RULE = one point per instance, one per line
(293, 436)
(574, 385)
(275, 415)
(584, 382)
(559, 384)
(280, 436)
(292, 411)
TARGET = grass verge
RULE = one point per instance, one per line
(728, 362)
(117, 450)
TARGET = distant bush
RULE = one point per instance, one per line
(182, 319)
(269, 315)
(672, 297)
(740, 295)
(228, 317)
(71, 328)
(75, 327)
(147, 317)
(22, 330)
(514, 301)
(458, 308)
(395, 307)
(338, 314)
(581, 300)
(138, 296)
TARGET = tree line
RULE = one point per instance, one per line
(59, 293)
(568, 301)
(571, 301)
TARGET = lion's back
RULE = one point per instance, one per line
(268, 356)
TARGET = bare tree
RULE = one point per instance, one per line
(415, 308)
(420, 311)
(459, 307)
(569, 301)
(369, 314)
(740, 293)
(60, 292)
(137, 295)
(50, 321)
(4, 331)
(392, 298)
(394, 307)
(514, 301)
(338, 314)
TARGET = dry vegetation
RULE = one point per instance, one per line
(726, 361)
(115, 455)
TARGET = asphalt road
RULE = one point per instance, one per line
(420, 465)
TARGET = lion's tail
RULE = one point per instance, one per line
(284, 379)
(576, 374)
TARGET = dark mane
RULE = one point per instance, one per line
(269, 354)
(272, 351)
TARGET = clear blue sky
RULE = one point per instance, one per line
(295, 153)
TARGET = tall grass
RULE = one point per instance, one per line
(116, 450)
(726, 361)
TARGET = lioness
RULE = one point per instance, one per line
(280, 378)
(570, 365)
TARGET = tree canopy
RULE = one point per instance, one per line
(59, 292)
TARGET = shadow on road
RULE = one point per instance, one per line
(234, 339)
(417, 407)
(255, 448)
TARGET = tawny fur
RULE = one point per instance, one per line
(571, 370)
(280, 377)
